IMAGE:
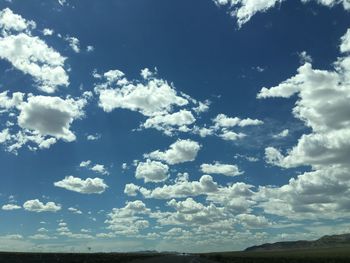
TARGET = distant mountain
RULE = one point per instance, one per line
(323, 242)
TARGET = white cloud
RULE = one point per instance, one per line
(170, 122)
(219, 168)
(231, 136)
(223, 121)
(93, 137)
(97, 168)
(180, 189)
(9, 207)
(152, 171)
(51, 115)
(87, 186)
(85, 163)
(10, 21)
(127, 220)
(154, 97)
(75, 210)
(7, 102)
(90, 48)
(37, 206)
(33, 56)
(322, 104)
(179, 152)
(73, 43)
(253, 221)
(244, 10)
(282, 134)
(48, 32)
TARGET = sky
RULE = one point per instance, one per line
(194, 126)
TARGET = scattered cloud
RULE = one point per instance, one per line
(219, 168)
(87, 186)
(152, 171)
(37, 206)
(179, 152)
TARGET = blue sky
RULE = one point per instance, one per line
(172, 125)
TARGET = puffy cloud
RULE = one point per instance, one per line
(87, 186)
(9, 207)
(48, 32)
(180, 189)
(73, 43)
(93, 137)
(222, 127)
(37, 206)
(231, 136)
(152, 171)
(166, 109)
(323, 193)
(179, 152)
(7, 102)
(218, 168)
(237, 197)
(97, 168)
(223, 121)
(74, 210)
(244, 10)
(345, 42)
(51, 115)
(13, 22)
(131, 189)
(151, 98)
(127, 220)
(282, 134)
(322, 104)
(253, 221)
(33, 56)
(169, 122)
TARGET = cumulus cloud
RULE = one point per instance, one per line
(13, 22)
(219, 168)
(151, 98)
(9, 207)
(74, 210)
(97, 168)
(87, 186)
(51, 116)
(179, 152)
(244, 10)
(42, 120)
(152, 171)
(37, 206)
(73, 43)
(166, 109)
(180, 189)
(322, 104)
(223, 121)
(128, 219)
(282, 134)
(223, 125)
(170, 122)
(33, 56)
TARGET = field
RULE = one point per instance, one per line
(8, 257)
(324, 255)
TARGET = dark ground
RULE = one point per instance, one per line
(331, 255)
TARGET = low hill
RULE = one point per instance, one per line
(323, 242)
